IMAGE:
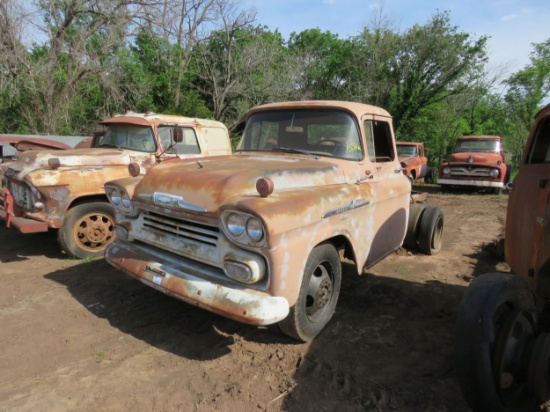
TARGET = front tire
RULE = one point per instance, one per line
(495, 332)
(87, 230)
(318, 295)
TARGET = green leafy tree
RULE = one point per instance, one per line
(527, 89)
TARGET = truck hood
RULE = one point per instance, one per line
(476, 158)
(210, 182)
(29, 161)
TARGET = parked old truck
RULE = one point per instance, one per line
(413, 160)
(503, 323)
(477, 161)
(63, 190)
(258, 236)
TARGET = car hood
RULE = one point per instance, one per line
(210, 182)
(475, 157)
(29, 161)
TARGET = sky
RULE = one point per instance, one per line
(511, 25)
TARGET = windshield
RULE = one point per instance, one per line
(406, 150)
(332, 133)
(477, 145)
(129, 136)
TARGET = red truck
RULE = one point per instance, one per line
(503, 322)
(477, 161)
(413, 160)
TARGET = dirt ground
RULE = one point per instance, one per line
(82, 336)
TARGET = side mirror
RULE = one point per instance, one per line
(177, 135)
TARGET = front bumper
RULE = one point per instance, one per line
(469, 182)
(188, 281)
(22, 224)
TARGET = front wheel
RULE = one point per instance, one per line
(318, 294)
(87, 230)
(502, 363)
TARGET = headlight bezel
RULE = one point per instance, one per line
(120, 199)
(251, 232)
(446, 171)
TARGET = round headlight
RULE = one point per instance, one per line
(125, 200)
(447, 171)
(114, 197)
(494, 172)
(254, 229)
(235, 224)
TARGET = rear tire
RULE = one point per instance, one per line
(496, 325)
(87, 230)
(415, 213)
(318, 295)
(430, 230)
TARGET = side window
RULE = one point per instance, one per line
(379, 141)
(540, 147)
(420, 151)
(190, 144)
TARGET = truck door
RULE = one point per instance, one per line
(390, 188)
(527, 219)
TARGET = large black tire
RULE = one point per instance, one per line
(495, 324)
(87, 230)
(415, 213)
(430, 230)
(318, 295)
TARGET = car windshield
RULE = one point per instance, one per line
(129, 136)
(477, 145)
(330, 132)
(407, 150)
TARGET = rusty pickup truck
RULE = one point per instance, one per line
(503, 322)
(477, 161)
(412, 159)
(63, 190)
(258, 236)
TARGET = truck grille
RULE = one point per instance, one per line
(22, 195)
(182, 229)
(471, 171)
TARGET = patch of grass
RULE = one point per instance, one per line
(99, 355)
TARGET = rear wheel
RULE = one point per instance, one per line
(430, 230)
(415, 213)
(87, 230)
(502, 364)
(318, 295)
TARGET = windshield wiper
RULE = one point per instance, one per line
(293, 150)
(109, 145)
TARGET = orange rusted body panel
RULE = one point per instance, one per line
(327, 187)
(413, 159)
(477, 161)
(43, 191)
(528, 215)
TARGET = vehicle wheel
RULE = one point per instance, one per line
(415, 212)
(318, 294)
(495, 331)
(87, 230)
(430, 230)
